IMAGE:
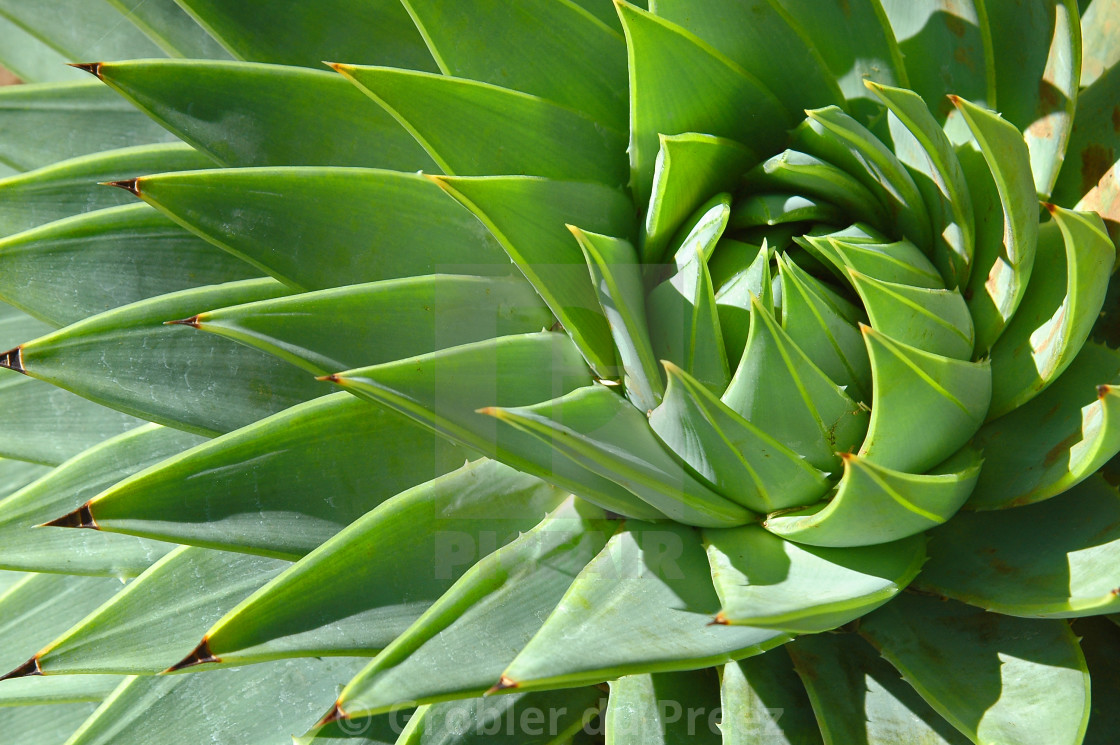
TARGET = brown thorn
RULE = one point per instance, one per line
(193, 321)
(1051, 208)
(26, 670)
(1102, 390)
(719, 620)
(132, 185)
(335, 714)
(504, 684)
(200, 656)
(79, 518)
(13, 360)
(330, 379)
(93, 68)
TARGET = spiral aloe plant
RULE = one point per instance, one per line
(559, 372)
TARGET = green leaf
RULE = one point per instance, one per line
(15, 326)
(603, 431)
(780, 208)
(1058, 310)
(1097, 46)
(34, 413)
(81, 31)
(555, 50)
(853, 40)
(127, 360)
(47, 123)
(30, 59)
(344, 599)
(1055, 440)
(688, 169)
(156, 620)
(800, 173)
(740, 460)
(444, 390)
(1056, 559)
(462, 643)
(68, 270)
(664, 709)
(874, 505)
(771, 47)
(956, 34)
(378, 322)
(1088, 177)
(413, 226)
(678, 83)
(1037, 56)
(22, 546)
(934, 321)
(45, 725)
(529, 216)
(616, 273)
(900, 262)
(290, 32)
(642, 605)
(836, 138)
(768, 582)
(859, 699)
(41, 607)
(925, 406)
(59, 689)
(224, 707)
(170, 27)
(15, 474)
(989, 671)
(921, 144)
(764, 703)
(1007, 231)
(778, 389)
(71, 187)
(274, 110)
(820, 322)
(479, 129)
(281, 486)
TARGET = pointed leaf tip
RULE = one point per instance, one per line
(1051, 208)
(13, 360)
(333, 378)
(719, 620)
(132, 186)
(1102, 390)
(200, 656)
(335, 714)
(193, 322)
(79, 518)
(504, 684)
(26, 670)
(93, 68)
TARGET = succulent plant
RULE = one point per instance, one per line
(559, 371)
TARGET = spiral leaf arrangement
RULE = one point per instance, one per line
(721, 371)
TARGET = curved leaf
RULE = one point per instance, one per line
(989, 669)
(69, 270)
(640, 605)
(934, 321)
(648, 709)
(765, 703)
(479, 129)
(740, 460)
(925, 406)
(280, 486)
(245, 114)
(1057, 559)
(874, 505)
(127, 360)
(346, 599)
(768, 582)
(1058, 310)
(679, 83)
